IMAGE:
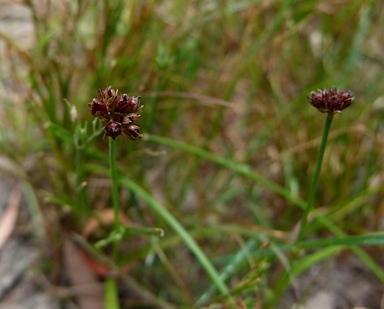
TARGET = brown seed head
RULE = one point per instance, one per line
(118, 112)
(330, 100)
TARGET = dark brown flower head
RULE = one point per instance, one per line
(118, 112)
(330, 100)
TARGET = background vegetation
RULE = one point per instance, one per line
(230, 140)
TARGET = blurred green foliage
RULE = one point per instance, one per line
(228, 78)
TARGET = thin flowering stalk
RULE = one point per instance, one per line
(315, 181)
(118, 112)
(331, 101)
(111, 297)
(115, 195)
(115, 181)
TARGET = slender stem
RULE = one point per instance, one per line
(315, 180)
(115, 189)
(111, 297)
(115, 195)
(111, 284)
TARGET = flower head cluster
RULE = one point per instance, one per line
(330, 100)
(118, 112)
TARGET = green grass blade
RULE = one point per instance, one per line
(299, 268)
(244, 170)
(238, 168)
(180, 230)
(371, 239)
(230, 268)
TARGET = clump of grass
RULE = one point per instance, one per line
(229, 144)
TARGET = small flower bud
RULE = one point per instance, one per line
(73, 113)
(135, 104)
(132, 132)
(122, 104)
(111, 93)
(126, 120)
(127, 104)
(130, 118)
(98, 109)
(112, 129)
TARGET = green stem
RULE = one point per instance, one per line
(111, 284)
(111, 297)
(315, 180)
(115, 189)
